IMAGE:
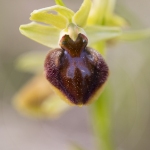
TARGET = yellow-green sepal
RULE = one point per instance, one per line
(43, 34)
(81, 16)
(100, 33)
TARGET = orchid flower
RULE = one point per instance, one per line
(94, 19)
(49, 25)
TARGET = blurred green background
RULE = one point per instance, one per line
(129, 80)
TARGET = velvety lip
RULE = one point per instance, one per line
(75, 70)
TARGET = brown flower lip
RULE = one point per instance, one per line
(75, 71)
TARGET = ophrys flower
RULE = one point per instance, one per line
(95, 19)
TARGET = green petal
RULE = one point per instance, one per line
(135, 35)
(59, 2)
(81, 16)
(99, 33)
(31, 62)
(43, 34)
(47, 15)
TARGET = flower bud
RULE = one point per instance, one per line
(76, 72)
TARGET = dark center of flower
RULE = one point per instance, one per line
(76, 71)
(74, 48)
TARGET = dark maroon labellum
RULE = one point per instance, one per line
(75, 71)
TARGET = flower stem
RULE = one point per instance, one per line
(102, 122)
(100, 113)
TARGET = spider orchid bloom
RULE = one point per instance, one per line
(94, 23)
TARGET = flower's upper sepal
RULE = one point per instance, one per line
(81, 16)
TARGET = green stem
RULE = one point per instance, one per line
(100, 113)
(102, 121)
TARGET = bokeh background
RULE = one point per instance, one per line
(129, 79)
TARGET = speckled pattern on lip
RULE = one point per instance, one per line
(77, 71)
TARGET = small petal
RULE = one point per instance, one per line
(59, 2)
(38, 100)
(81, 16)
(56, 20)
(99, 33)
(31, 62)
(46, 15)
(43, 34)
